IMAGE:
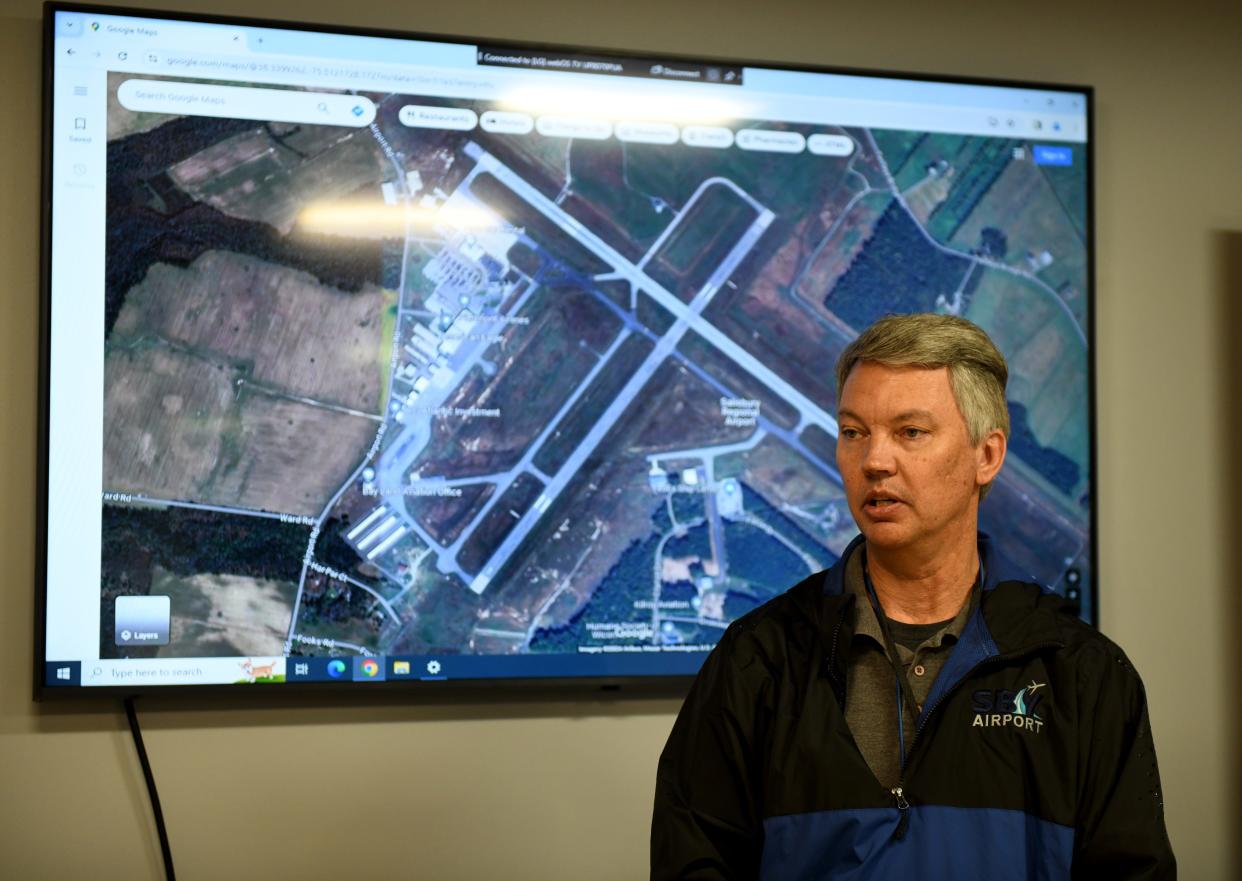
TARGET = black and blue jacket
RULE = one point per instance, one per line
(1033, 756)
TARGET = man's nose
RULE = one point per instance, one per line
(879, 458)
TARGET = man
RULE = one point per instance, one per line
(916, 711)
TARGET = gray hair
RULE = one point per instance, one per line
(977, 370)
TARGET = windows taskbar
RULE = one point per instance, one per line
(610, 661)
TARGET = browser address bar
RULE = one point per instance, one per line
(236, 102)
(334, 74)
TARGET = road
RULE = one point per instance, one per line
(685, 210)
(998, 265)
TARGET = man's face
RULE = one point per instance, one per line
(911, 475)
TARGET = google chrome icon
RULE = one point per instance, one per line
(370, 668)
(336, 668)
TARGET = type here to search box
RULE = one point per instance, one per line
(235, 102)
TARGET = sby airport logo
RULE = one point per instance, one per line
(1006, 708)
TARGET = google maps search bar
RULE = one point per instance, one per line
(235, 102)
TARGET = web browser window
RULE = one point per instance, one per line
(378, 359)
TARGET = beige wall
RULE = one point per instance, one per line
(560, 790)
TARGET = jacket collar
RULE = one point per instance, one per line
(997, 568)
(1021, 617)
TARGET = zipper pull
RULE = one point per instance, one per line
(903, 821)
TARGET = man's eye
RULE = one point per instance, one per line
(912, 433)
(849, 433)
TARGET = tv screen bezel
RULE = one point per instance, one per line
(492, 689)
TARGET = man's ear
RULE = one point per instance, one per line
(990, 456)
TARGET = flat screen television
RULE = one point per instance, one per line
(386, 358)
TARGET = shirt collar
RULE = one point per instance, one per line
(867, 625)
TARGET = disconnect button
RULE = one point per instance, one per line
(142, 620)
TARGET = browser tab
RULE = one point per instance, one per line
(140, 33)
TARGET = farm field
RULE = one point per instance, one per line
(1047, 360)
(165, 417)
(274, 438)
(224, 615)
(1023, 205)
(276, 325)
(273, 171)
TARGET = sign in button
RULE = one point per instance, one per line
(459, 119)
(1047, 155)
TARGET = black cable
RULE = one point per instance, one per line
(155, 796)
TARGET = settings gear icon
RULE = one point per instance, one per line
(433, 667)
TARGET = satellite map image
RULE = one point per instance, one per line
(494, 389)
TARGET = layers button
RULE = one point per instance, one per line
(574, 127)
(507, 122)
(142, 620)
(458, 119)
(707, 136)
(771, 140)
(647, 132)
(830, 145)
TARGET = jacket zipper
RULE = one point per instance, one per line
(903, 820)
(898, 791)
(838, 685)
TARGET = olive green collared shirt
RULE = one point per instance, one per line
(871, 686)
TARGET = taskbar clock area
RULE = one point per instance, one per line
(158, 672)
